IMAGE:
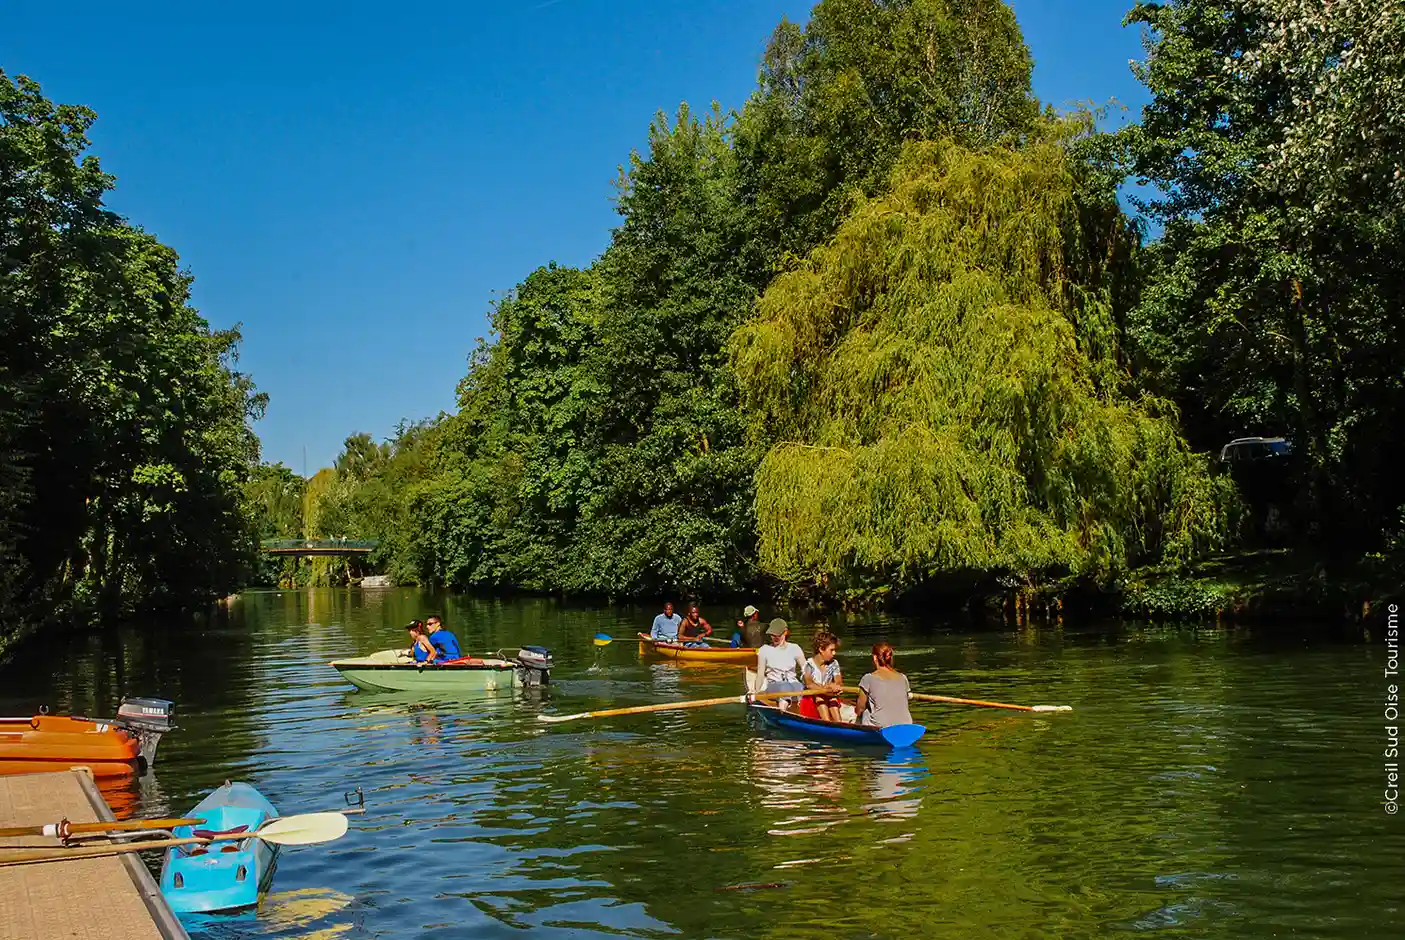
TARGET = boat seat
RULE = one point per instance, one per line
(210, 833)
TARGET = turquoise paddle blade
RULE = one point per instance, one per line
(903, 735)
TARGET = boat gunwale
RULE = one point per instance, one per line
(817, 722)
(494, 666)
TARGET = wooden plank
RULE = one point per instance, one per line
(88, 899)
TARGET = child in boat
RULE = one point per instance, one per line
(883, 692)
(822, 672)
(444, 642)
(420, 647)
(780, 663)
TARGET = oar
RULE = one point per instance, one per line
(63, 828)
(306, 829)
(920, 697)
(671, 706)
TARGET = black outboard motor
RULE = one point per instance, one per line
(534, 665)
(146, 719)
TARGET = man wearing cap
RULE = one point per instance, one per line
(749, 630)
(781, 662)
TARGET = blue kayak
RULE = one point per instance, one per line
(221, 876)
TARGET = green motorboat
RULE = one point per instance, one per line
(396, 671)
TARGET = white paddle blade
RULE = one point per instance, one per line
(553, 719)
(1051, 708)
(306, 829)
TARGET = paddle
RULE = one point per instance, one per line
(307, 829)
(63, 828)
(602, 639)
(902, 735)
(671, 706)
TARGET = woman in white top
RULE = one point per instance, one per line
(780, 663)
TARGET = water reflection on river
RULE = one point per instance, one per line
(1211, 783)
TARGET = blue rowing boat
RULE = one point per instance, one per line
(842, 731)
(221, 876)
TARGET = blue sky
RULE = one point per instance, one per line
(355, 183)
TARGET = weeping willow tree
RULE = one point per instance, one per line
(941, 390)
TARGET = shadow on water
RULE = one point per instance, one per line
(1211, 782)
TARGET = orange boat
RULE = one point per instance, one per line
(122, 747)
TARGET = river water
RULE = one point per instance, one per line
(1209, 783)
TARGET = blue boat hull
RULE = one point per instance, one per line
(221, 876)
(815, 728)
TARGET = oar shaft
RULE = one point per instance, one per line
(947, 699)
(921, 697)
(674, 706)
(98, 851)
(63, 828)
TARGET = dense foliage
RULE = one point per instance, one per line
(941, 386)
(1273, 303)
(124, 429)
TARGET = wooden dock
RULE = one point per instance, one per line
(112, 898)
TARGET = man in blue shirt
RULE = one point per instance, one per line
(666, 625)
(444, 642)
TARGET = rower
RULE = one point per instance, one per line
(444, 642)
(780, 664)
(883, 692)
(693, 628)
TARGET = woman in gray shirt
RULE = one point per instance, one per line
(883, 692)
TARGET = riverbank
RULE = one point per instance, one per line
(1264, 584)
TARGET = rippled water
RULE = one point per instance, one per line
(1210, 783)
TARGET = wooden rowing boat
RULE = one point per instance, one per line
(840, 731)
(721, 655)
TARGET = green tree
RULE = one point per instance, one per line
(126, 424)
(940, 391)
(1273, 302)
(839, 96)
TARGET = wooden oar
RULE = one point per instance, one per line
(671, 706)
(63, 828)
(946, 699)
(306, 829)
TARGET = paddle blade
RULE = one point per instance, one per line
(602, 639)
(306, 829)
(1051, 708)
(903, 735)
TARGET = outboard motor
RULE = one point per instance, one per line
(534, 665)
(146, 719)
